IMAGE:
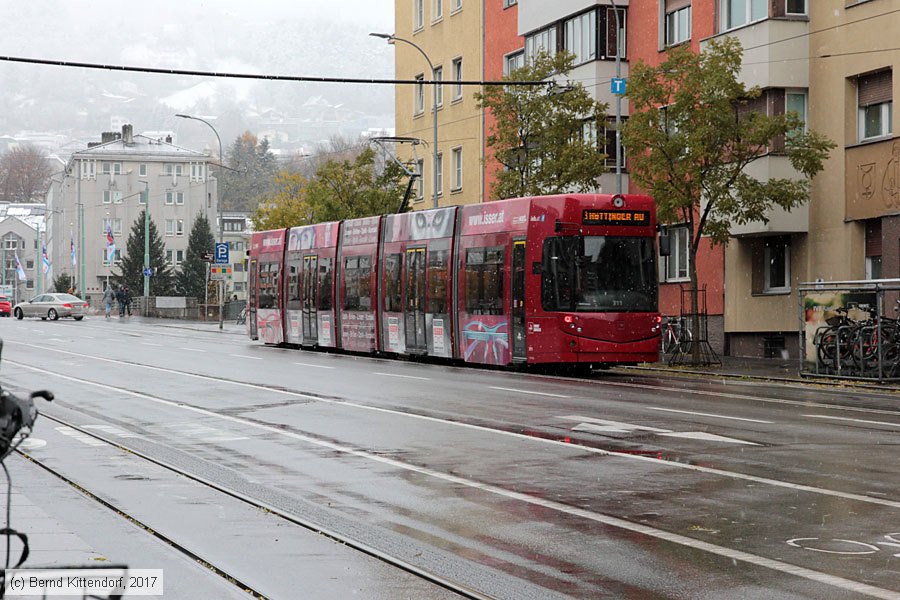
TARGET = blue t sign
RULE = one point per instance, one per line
(617, 86)
(222, 254)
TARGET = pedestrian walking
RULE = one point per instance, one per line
(120, 298)
(127, 300)
(108, 298)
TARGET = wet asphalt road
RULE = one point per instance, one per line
(514, 485)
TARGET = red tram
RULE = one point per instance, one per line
(567, 279)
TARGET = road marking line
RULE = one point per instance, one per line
(854, 420)
(528, 392)
(403, 376)
(700, 414)
(482, 428)
(192, 350)
(314, 366)
(247, 357)
(736, 555)
(149, 344)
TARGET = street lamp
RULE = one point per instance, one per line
(391, 38)
(218, 210)
(145, 199)
(618, 100)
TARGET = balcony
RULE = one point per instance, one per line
(780, 221)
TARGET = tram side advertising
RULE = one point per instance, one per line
(564, 279)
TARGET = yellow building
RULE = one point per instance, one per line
(449, 33)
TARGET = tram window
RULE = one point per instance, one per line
(392, 267)
(293, 300)
(436, 290)
(596, 273)
(484, 281)
(357, 283)
(324, 296)
(268, 285)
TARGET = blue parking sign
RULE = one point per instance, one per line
(222, 254)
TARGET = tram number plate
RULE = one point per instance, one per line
(615, 217)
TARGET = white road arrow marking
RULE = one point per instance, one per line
(592, 425)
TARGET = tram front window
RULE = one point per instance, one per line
(599, 273)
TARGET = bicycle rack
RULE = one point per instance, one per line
(861, 342)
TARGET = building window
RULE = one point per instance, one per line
(455, 5)
(197, 171)
(796, 102)
(543, 40)
(777, 267)
(438, 87)
(873, 267)
(513, 61)
(419, 91)
(88, 169)
(737, 13)
(439, 174)
(678, 26)
(173, 169)
(179, 227)
(437, 10)
(677, 263)
(419, 14)
(29, 264)
(457, 78)
(615, 31)
(508, 3)
(112, 168)
(420, 182)
(875, 100)
(456, 164)
(580, 36)
(174, 197)
(795, 7)
(142, 170)
(170, 227)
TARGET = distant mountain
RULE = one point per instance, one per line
(178, 35)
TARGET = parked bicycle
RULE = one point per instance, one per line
(676, 336)
(242, 316)
(864, 345)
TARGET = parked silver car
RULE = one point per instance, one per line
(52, 306)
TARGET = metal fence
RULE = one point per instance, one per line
(850, 329)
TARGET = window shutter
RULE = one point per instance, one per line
(873, 237)
(875, 88)
(672, 5)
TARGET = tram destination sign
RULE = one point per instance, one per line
(615, 217)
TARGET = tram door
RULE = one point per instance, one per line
(517, 300)
(414, 309)
(310, 315)
(254, 297)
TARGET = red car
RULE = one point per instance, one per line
(5, 307)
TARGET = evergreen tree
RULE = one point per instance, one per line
(250, 174)
(131, 266)
(191, 280)
(62, 283)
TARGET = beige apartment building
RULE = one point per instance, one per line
(101, 188)
(449, 32)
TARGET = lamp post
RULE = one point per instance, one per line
(218, 211)
(391, 38)
(618, 100)
(145, 200)
(39, 271)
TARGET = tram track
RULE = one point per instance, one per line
(457, 588)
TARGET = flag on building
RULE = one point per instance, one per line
(19, 270)
(110, 244)
(45, 259)
(72, 246)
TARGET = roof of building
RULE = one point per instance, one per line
(140, 146)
